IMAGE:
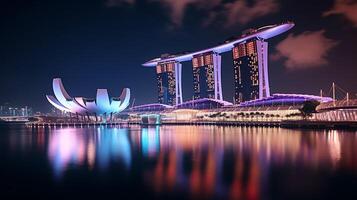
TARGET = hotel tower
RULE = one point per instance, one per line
(168, 77)
(207, 76)
(250, 62)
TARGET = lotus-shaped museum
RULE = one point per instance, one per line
(102, 105)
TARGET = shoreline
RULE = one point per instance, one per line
(293, 124)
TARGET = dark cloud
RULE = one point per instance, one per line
(346, 8)
(178, 8)
(113, 3)
(306, 50)
(235, 12)
(241, 12)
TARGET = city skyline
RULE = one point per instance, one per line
(178, 99)
(107, 41)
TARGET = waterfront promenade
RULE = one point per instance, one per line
(309, 124)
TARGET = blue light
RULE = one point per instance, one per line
(150, 141)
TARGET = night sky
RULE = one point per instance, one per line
(102, 44)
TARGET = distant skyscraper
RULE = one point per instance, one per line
(207, 76)
(168, 77)
(250, 60)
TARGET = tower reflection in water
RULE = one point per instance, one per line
(206, 161)
(220, 161)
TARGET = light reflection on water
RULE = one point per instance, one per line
(205, 161)
(150, 140)
(80, 146)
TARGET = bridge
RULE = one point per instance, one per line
(337, 111)
(335, 105)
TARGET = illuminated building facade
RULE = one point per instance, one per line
(207, 76)
(168, 76)
(101, 106)
(250, 55)
(250, 61)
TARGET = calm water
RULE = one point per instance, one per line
(178, 162)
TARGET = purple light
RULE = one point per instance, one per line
(285, 98)
(80, 105)
(264, 33)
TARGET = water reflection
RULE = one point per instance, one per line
(66, 146)
(202, 161)
(235, 162)
(150, 140)
(88, 146)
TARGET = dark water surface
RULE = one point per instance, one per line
(177, 162)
